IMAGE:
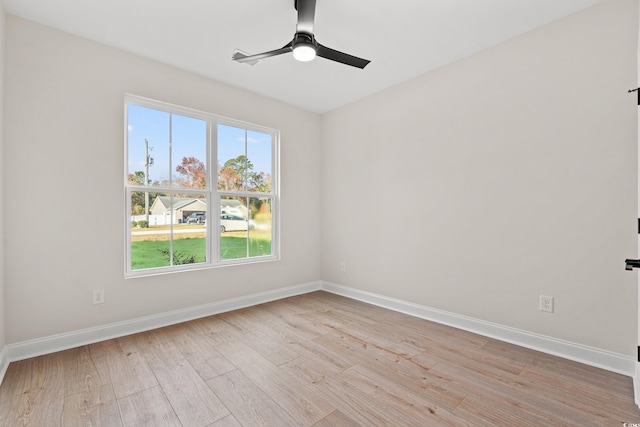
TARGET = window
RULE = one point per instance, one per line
(200, 189)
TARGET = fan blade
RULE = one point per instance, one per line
(306, 15)
(240, 57)
(344, 58)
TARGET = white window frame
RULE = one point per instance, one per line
(211, 192)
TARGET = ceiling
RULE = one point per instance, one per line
(402, 38)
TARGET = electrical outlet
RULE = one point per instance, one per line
(343, 267)
(98, 296)
(546, 304)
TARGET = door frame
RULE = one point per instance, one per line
(636, 376)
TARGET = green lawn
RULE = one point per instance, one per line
(150, 253)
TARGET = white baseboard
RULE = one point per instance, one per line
(636, 387)
(4, 362)
(577, 352)
(51, 344)
(591, 356)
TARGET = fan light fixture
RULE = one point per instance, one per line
(304, 45)
(304, 52)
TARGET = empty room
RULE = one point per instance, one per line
(319, 213)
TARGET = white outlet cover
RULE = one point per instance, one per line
(546, 303)
(98, 296)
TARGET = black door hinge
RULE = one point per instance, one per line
(636, 90)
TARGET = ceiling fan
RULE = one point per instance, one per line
(304, 45)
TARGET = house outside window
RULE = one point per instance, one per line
(201, 190)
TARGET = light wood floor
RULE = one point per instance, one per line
(312, 360)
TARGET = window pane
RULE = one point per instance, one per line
(169, 236)
(234, 227)
(260, 226)
(189, 244)
(148, 145)
(232, 159)
(149, 240)
(259, 153)
(244, 159)
(245, 232)
(189, 152)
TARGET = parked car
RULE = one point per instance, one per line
(196, 218)
(232, 223)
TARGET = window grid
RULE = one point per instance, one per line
(260, 234)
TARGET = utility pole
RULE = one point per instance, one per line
(147, 162)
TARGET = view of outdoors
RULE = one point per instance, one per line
(171, 190)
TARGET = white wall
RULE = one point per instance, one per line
(64, 130)
(505, 176)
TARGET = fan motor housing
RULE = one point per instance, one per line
(304, 38)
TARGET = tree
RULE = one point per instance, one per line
(237, 175)
(228, 179)
(137, 197)
(193, 173)
(136, 178)
(260, 182)
(233, 173)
